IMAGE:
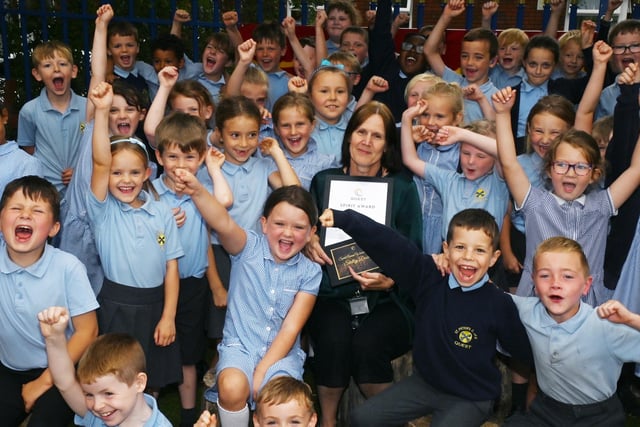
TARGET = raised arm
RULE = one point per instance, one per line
(231, 235)
(321, 40)
(431, 46)
(99, 52)
(62, 355)
(489, 8)
(230, 21)
(409, 153)
(285, 175)
(167, 77)
(614, 311)
(516, 178)
(180, 17)
(102, 97)
(448, 135)
(558, 10)
(587, 107)
(376, 84)
(289, 27)
(221, 189)
(246, 51)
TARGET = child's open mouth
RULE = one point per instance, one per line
(568, 187)
(555, 298)
(124, 128)
(58, 83)
(126, 190)
(23, 232)
(467, 272)
(285, 245)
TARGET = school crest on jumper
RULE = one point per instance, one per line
(464, 337)
(480, 193)
(161, 238)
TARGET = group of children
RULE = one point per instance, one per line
(208, 208)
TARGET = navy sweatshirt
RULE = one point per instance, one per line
(456, 332)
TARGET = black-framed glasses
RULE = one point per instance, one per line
(620, 50)
(406, 46)
(580, 169)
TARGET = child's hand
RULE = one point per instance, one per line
(297, 84)
(442, 263)
(102, 96)
(421, 133)
(489, 8)
(629, 75)
(372, 281)
(510, 262)
(168, 76)
(32, 391)
(214, 158)
(587, 33)
(206, 420)
(377, 84)
(269, 147)
(265, 115)
(219, 297)
(165, 332)
(454, 8)
(503, 100)
(53, 321)
(472, 92)
(614, 311)
(416, 110)
(558, 5)
(246, 50)
(186, 183)
(326, 219)
(179, 215)
(321, 18)
(182, 16)
(230, 19)
(601, 52)
(313, 250)
(370, 18)
(66, 176)
(400, 20)
(104, 15)
(289, 27)
(448, 135)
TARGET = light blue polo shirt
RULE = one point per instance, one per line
(214, 88)
(278, 86)
(194, 235)
(529, 96)
(608, 100)
(308, 164)
(144, 70)
(329, 137)
(134, 244)
(472, 110)
(488, 192)
(55, 135)
(16, 163)
(56, 279)
(578, 361)
(501, 79)
(157, 419)
(249, 184)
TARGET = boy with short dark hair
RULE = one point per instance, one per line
(459, 317)
(123, 46)
(50, 126)
(577, 378)
(34, 275)
(478, 54)
(167, 50)
(108, 387)
(270, 48)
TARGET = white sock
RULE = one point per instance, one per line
(233, 419)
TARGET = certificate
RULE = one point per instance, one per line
(366, 195)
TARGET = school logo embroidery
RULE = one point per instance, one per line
(465, 336)
(83, 126)
(161, 238)
(480, 193)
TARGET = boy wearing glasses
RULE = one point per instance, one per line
(478, 54)
(624, 39)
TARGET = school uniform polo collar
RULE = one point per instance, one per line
(8, 148)
(453, 283)
(341, 125)
(146, 206)
(124, 73)
(562, 202)
(279, 74)
(570, 325)
(37, 269)
(162, 188)
(266, 253)
(75, 102)
(232, 168)
(528, 87)
(220, 82)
